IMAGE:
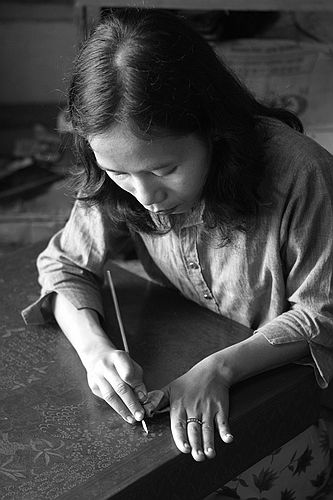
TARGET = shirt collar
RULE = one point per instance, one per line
(193, 218)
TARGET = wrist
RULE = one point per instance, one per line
(255, 355)
(95, 345)
(225, 367)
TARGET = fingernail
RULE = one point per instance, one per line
(186, 445)
(130, 419)
(210, 450)
(142, 397)
(138, 415)
(229, 437)
(200, 452)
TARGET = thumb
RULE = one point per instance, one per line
(162, 399)
(132, 374)
(141, 392)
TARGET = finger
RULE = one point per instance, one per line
(126, 394)
(106, 392)
(178, 429)
(208, 437)
(194, 434)
(131, 373)
(223, 427)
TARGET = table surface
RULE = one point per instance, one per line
(59, 441)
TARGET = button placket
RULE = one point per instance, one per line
(193, 268)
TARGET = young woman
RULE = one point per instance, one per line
(223, 197)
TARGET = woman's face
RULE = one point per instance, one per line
(166, 175)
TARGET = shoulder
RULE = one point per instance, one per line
(91, 218)
(291, 156)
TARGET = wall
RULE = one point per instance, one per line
(37, 46)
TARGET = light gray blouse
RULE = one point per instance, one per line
(275, 278)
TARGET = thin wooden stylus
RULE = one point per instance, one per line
(121, 327)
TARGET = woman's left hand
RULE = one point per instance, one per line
(202, 393)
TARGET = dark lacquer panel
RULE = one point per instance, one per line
(58, 441)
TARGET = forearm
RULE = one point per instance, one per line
(255, 355)
(81, 327)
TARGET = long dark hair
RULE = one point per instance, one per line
(149, 70)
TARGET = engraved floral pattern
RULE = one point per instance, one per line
(46, 450)
(10, 471)
(54, 434)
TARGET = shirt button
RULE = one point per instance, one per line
(207, 296)
(193, 265)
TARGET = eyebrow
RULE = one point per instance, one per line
(107, 169)
(169, 164)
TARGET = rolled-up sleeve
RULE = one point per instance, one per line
(73, 262)
(307, 252)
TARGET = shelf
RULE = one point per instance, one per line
(260, 5)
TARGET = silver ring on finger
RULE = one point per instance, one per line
(195, 420)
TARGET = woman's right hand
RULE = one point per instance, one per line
(115, 377)
(112, 374)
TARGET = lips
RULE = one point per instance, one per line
(167, 211)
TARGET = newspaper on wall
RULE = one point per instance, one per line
(292, 74)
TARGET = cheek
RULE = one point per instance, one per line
(195, 181)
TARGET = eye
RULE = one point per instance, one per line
(165, 172)
(117, 175)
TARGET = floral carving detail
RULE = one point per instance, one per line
(7, 447)
(45, 449)
(14, 474)
(228, 492)
(288, 495)
(319, 480)
(265, 480)
(303, 461)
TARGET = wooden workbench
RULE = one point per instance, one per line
(58, 441)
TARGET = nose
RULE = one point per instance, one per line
(148, 191)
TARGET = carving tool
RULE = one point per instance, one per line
(121, 327)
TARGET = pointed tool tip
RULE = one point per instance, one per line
(144, 425)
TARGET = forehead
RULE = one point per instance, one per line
(120, 144)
